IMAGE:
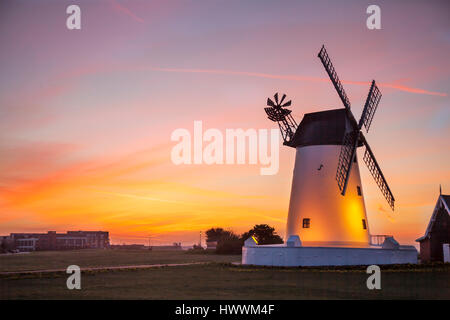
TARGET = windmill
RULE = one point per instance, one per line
(326, 144)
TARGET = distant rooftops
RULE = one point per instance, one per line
(59, 241)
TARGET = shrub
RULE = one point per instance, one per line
(264, 234)
(231, 245)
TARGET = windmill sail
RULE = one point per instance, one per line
(346, 156)
(323, 55)
(374, 168)
(373, 99)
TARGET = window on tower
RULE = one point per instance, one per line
(358, 189)
(364, 224)
(306, 223)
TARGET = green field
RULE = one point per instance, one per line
(99, 258)
(216, 280)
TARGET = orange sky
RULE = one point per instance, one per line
(87, 115)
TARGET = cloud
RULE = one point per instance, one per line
(25, 190)
(67, 81)
(134, 196)
(121, 9)
(300, 78)
(386, 213)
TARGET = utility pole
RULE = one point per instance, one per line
(200, 243)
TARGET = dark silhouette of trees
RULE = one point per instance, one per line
(227, 241)
(264, 234)
(214, 234)
(230, 243)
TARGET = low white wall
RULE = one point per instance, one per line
(326, 256)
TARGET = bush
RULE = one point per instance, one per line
(264, 234)
(230, 243)
(197, 250)
(229, 246)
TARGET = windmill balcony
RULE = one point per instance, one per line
(378, 239)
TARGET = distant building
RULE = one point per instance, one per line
(94, 239)
(128, 246)
(59, 241)
(432, 244)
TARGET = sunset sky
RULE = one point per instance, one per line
(86, 115)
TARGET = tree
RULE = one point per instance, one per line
(214, 234)
(229, 243)
(6, 245)
(264, 234)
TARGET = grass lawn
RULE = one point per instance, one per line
(98, 258)
(216, 280)
(225, 281)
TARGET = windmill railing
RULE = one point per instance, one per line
(378, 239)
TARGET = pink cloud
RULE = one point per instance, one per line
(119, 8)
(66, 81)
(300, 78)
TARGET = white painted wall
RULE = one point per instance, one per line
(326, 256)
(335, 219)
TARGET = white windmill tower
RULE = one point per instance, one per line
(326, 144)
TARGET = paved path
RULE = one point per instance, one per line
(140, 266)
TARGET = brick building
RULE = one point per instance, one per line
(437, 233)
(60, 241)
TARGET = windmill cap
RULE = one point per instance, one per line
(321, 128)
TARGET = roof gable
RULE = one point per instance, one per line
(446, 200)
(443, 201)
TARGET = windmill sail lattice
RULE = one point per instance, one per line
(326, 61)
(354, 137)
(373, 99)
(345, 159)
(374, 168)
